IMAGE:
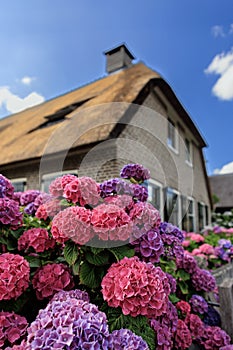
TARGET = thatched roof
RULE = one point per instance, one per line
(222, 187)
(25, 135)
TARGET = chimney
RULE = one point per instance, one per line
(118, 58)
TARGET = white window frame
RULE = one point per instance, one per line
(179, 217)
(188, 152)
(175, 148)
(204, 215)
(20, 179)
(54, 175)
(155, 183)
(193, 215)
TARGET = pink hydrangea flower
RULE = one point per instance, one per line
(137, 287)
(72, 223)
(48, 209)
(123, 201)
(83, 190)
(12, 327)
(185, 243)
(184, 307)
(111, 222)
(195, 325)
(214, 338)
(145, 216)
(57, 186)
(6, 187)
(183, 337)
(206, 249)
(14, 276)
(196, 237)
(50, 279)
(37, 238)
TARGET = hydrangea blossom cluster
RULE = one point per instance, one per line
(203, 280)
(6, 187)
(144, 217)
(187, 262)
(48, 209)
(198, 304)
(136, 172)
(164, 327)
(51, 278)
(10, 213)
(73, 223)
(28, 196)
(137, 287)
(195, 325)
(183, 339)
(123, 201)
(111, 222)
(83, 190)
(57, 186)
(83, 326)
(212, 317)
(14, 276)
(214, 338)
(36, 238)
(71, 294)
(124, 339)
(12, 327)
(149, 247)
(184, 307)
(172, 238)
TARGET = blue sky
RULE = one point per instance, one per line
(51, 47)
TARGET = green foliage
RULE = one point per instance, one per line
(91, 275)
(71, 252)
(122, 251)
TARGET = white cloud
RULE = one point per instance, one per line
(226, 169)
(13, 103)
(231, 29)
(27, 80)
(217, 30)
(222, 64)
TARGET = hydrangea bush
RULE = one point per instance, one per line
(91, 266)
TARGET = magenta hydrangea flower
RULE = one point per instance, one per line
(136, 172)
(10, 213)
(123, 201)
(149, 247)
(28, 196)
(214, 338)
(198, 304)
(6, 187)
(203, 280)
(73, 223)
(64, 295)
(36, 238)
(164, 327)
(57, 186)
(14, 276)
(111, 222)
(70, 324)
(172, 282)
(83, 190)
(183, 339)
(21, 346)
(12, 327)
(145, 217)
(195, 325)
(51, 278)
(48, 209)
(125, 339)
(183, 306)
(137, 287)
(187, 262)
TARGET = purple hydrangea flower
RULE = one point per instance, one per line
(224, 243)
(139, 193)
(114, 186)
(125, 339)
(169, 229)
(136, 172)
(212, 317)
(172, 238)
(172, 282)
(70, 324)
(187, 262)
(10, 213)
(28, 196)
(6, 187)
(149, 247)
(30, 209)
(198, 304)
(203, 280)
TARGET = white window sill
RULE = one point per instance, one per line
(173, 149)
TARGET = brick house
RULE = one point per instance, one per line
(222, 187)
(130, 115)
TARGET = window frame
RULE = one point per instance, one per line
(178, 203)
(22, 180)
(54, 175)
(204, 215)
(172, 126)
(188, 152)
(153, 183)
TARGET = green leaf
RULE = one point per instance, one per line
(183, 287)
(183, 275)
(98, 259)
(33, 261)
(122, 251)
(90, 275)
(173, 298)
(76, 267)
(96, 250)
(71, 252)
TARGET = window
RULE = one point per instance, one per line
(172, 136)
(19, 184)
(188, 152)
(202, 215)
(172, 209)
(188, 214)
(48, 178)
(155, 196)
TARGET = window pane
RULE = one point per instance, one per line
(19, 186)
(200, 216)
(154, 195)
(171, 207)
(188, 150)
(171, 134)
